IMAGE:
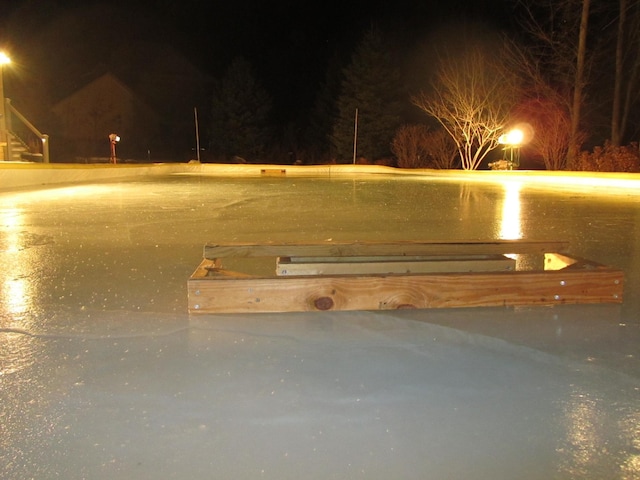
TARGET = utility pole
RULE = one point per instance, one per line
(195, 114)
(355, 138)
(4, 138)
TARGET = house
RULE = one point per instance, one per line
(85, 118)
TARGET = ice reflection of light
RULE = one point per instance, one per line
(510, 222)
(587, 443)
(611, 182)
(61, 192)
(15, 295)
(15, 290)
(631, 465)
(604, 183)
(582, 441)
(11, 219)
(588, 446)
(582, 434)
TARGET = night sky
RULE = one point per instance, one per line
(289, 43)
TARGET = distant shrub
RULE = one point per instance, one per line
(416, 146)
(610, 159)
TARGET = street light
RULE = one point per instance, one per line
(4, 60)
(512, 140)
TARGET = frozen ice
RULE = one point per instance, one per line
(103, 374)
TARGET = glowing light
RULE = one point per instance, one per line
(61, 192)
(15, 294)
(612, 182)
(601, 183)
(510, 222)
(513, 137)
(4, 59)
(12, 219)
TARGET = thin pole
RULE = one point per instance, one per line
(3, 124)
(355, 138)
(195, 113)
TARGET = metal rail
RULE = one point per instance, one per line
(12, 113)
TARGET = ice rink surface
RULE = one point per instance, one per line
(104, 375)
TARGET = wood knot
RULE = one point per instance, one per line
(323, 303)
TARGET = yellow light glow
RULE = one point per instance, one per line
(604, 183)
(607, 184)
(15, 293)
(513, 137)
(62, 192)
(4, 59)
(510, 221)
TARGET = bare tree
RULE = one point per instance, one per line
(558, 33)
(574, 145)
(627, 68)
(442, 149)
(551, 127)
(409, 145)
(545, 109)
(417, 146)
(472, 96)
(616, 128)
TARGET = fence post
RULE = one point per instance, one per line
(7, 127)
(45, 148)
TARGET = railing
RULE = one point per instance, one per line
(36, 142)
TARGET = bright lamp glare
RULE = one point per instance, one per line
(515, 137)
(4, 58)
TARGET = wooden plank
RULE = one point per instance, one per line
(386, 292)
(288, 266)
(210, 268)
(388, 258)
(204, 269)
(556, 261)
(341, 249)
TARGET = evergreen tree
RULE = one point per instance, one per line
(324, 111)
(372, 85)
(240, 113)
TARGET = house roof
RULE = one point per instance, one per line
(105, 82)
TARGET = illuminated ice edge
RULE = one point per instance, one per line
(22, 175)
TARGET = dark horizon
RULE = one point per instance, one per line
(289, 44)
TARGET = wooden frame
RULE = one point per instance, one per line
(251, 278)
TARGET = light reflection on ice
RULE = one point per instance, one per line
(510, 221)
(631, 465)
(589, 450)
(15, 295)
(17, 261)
